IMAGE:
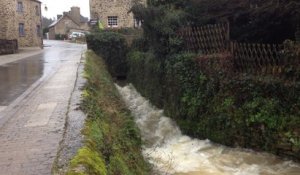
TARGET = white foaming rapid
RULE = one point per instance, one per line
(170, 152)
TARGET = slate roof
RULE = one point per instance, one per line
(37, 1)
(82, 20)
(55, 22)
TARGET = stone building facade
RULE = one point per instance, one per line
(113, 13)
(68, 22)
(21, 20)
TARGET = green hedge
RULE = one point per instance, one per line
(236, 110)
(61, 36)
(145, 70)
(207, 99)
(112, 48)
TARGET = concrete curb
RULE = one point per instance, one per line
(75, 119)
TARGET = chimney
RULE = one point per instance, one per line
(59, 16)
(75, 14)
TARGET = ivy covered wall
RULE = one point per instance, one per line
(236, 110)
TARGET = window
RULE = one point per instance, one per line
(112, 21)
(20, 6)
(137, 23)
(37, 10)
(21, 29)
(38, 30)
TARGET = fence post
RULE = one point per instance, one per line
(227, 31)
(227, 36)
(297, 35)
(231, 47)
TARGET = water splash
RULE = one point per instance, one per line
(170, 152)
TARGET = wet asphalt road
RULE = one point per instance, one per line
(17, 77)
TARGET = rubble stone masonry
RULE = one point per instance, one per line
(30, 16)
(63, 26)
(67, 23)
(102, 9)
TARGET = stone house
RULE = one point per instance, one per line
(113, 13)
(21, 20)
(68, 22)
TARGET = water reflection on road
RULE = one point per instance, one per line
(17, 77)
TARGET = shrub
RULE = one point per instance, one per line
(140, 44)
(60, 37)
(188, 82)
(146, 72)
(125, 31)
(112, 48)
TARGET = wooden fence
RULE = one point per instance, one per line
(208, 39)
(252, 58)
(258, 58)
(8, 46)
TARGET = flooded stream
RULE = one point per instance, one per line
(170, 152)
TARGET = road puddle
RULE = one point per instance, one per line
(16, 77)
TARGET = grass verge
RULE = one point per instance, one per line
(112, 141)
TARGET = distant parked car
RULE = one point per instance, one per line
(74, 35)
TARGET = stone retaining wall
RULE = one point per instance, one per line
(8, 46)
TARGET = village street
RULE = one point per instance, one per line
(35, 95)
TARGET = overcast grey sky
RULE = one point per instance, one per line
(59, 6)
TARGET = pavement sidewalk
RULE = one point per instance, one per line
(31, 137)
(22, 53)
